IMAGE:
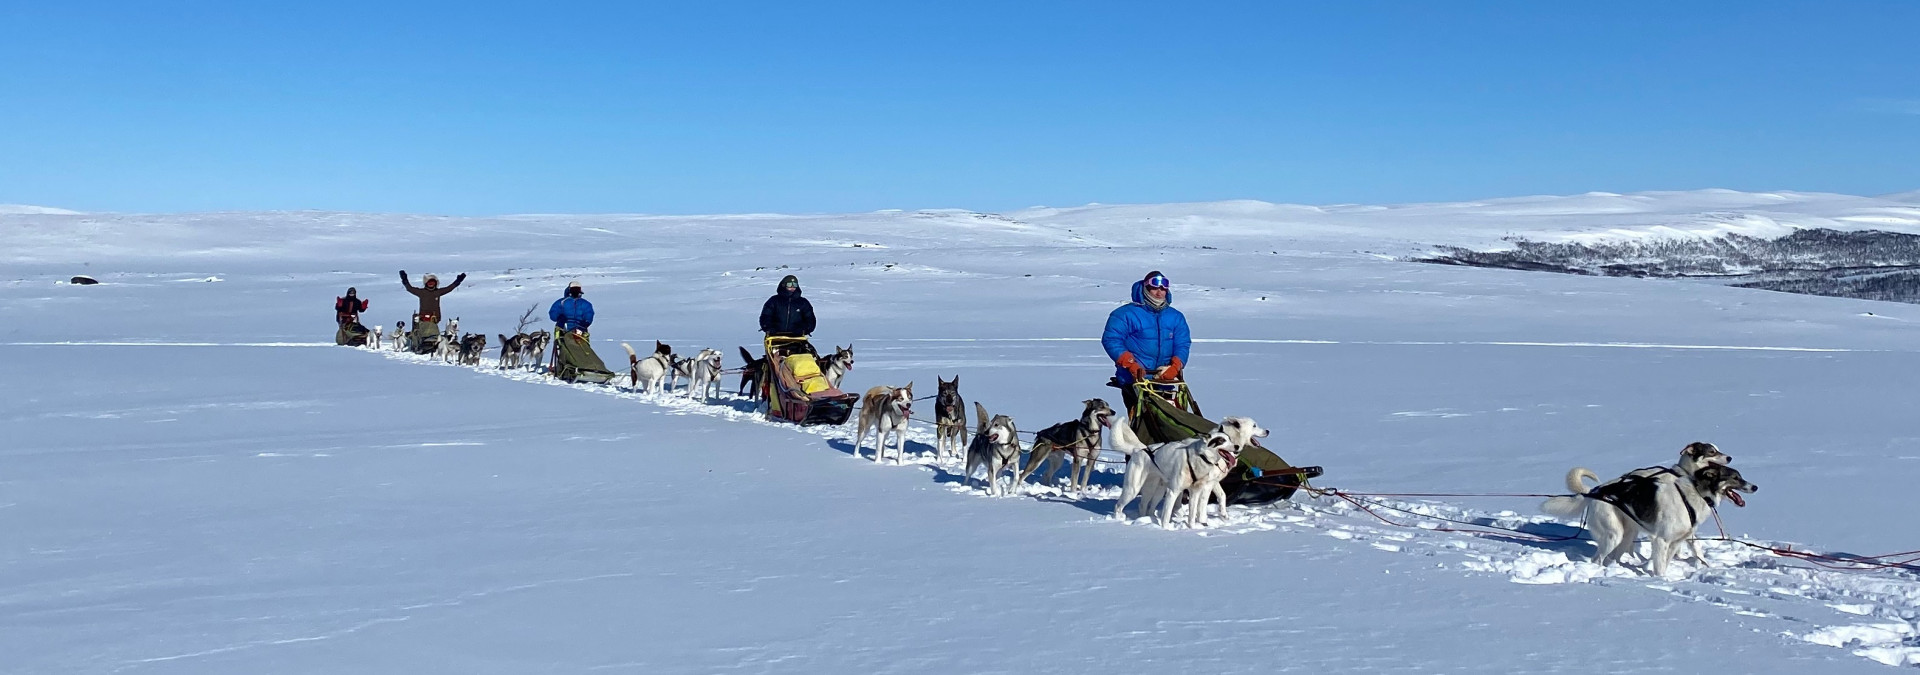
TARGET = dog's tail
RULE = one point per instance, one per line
(632, 358)
(1572, 505)
(1576, 480)
(746, 356)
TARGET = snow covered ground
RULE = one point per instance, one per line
(193, 481)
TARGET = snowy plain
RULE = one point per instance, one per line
(195, 480)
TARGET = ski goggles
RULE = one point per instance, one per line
(1158, 281)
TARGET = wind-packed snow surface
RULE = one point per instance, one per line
(196, 481)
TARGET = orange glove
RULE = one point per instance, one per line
(1132, 365)
(1171, 373)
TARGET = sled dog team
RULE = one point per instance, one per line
(1666, 503)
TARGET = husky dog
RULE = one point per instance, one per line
(1667, 505)
(1692, 457)
(471, 347)
(533, 350)
(1162, 473)
(705, 381)
(449, 347)
(885, 410)
(510, 348)
(1079, 439)
(949, 419)
(750, 376)
(399, 335)
(679, 368)
(996, 447)
(836, 366)
(378, 341)
(649, 374)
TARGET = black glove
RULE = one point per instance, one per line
(403, 274)
(460, 277)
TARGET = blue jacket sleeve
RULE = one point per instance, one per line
(554, 313)
(586, 316)
(1182, 340)
(1113, 339)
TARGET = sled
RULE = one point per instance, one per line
(351, 334)
(425, 338)
(1166, 411)
(794, 388)
(574, 360)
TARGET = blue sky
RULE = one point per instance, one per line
(700, 107)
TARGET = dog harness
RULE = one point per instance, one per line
(1635, 493)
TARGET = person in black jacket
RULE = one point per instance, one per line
(347, 310)
(786, 314)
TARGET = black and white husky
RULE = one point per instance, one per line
(649, 374)
(511, 347)
(1162, 473)
(399, 335)
(471, 348)
(996, 448)
(1078, 439)
(836, 366)
(1666, 504)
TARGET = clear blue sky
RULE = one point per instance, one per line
(699, 107)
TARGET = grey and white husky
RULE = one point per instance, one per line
(1077, 439)
(1666, 504)
(704, 383)
(1161, 473)
(996, 448)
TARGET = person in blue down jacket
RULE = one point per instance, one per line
(1147, 336)
(572, 312)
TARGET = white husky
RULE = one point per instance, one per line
(1160, 474)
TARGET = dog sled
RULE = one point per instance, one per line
(574, 360)
(794, 388)
(1165, 411)
(351, 334)
(425, 338)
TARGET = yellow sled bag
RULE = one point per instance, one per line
(807, 372)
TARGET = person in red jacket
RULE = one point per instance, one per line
(347, 310)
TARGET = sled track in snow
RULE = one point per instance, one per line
(1874, 614)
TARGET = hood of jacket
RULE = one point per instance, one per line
(1140, 296)
(782, 288)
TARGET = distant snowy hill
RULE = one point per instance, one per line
(25, 209)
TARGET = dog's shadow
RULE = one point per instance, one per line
(914, 449)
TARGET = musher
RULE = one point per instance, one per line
(427, 321)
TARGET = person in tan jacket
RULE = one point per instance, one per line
(430, 294)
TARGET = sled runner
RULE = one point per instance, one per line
(351, 334)
(795, 390)
(1166, 411)
(574, 360)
